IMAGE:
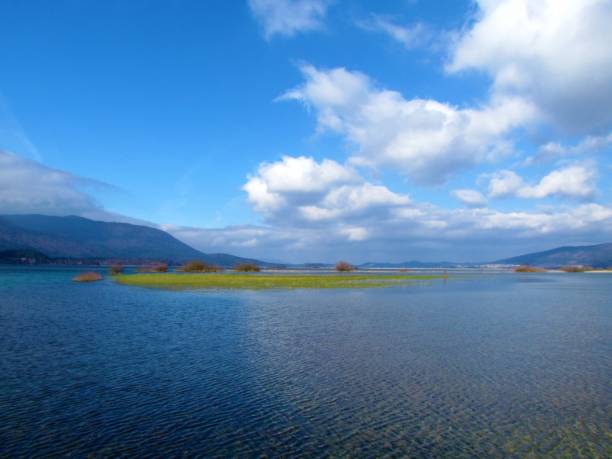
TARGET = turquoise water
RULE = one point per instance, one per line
(501, 365)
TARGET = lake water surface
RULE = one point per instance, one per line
(479, 366)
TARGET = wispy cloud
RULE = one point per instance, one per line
(556, 150)
(12, 134)
(409, 36)
(289, 17)
(472, 198)
(29, 187)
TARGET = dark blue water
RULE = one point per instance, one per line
(490, 366)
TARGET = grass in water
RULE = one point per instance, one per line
(262, 281)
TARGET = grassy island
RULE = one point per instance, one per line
(269, 281)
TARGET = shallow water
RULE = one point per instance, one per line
(479, 366)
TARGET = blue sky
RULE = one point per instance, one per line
(306, 130)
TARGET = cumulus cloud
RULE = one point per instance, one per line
(555, 53)
(411, 232)
(301, 189)
(409, 36)
(323, 210)
(574, 181)
(505, 183)
(289, 17)
(426, 139)
(471, 198)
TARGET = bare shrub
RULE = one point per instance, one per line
(344, 266)
(528, 269)
(159, 267)
(247, 267)
(115, 269)
(90, 276)
(576, 268)
(197, 266)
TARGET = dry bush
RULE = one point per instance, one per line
(154, 268)
(197, 266)
(528, 269)
(344, 266)
(90, 276)
(576, 269)
(115, 269)
(247, 268)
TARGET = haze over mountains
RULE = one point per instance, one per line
(79, 238)
(43, 238)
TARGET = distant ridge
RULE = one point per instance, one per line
(598, 256)
(414, 264)
(78, 238)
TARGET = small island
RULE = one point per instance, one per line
(269, 281)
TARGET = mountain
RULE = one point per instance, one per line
(599, 256)
(79, 238)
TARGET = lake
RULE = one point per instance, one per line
(482, 365)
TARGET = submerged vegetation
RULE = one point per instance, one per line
(529, 269)
(90, 276)
(266, 281)
(344, 266)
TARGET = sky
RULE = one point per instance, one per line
(315, 130)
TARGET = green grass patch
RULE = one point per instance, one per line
(268, 281)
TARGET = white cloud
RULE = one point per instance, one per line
(574, 181)
(289, 17)
(411, 232)
(555, 53)
(409, 36)
(562, 220)
(294, 180)
(301, 189)
(425, 139)
(29, 187)
(355, 233)
(505, 183)
(589, 144)
(323, 210)
(471, 198)
(353, 200)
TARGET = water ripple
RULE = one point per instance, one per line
(493, 367)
